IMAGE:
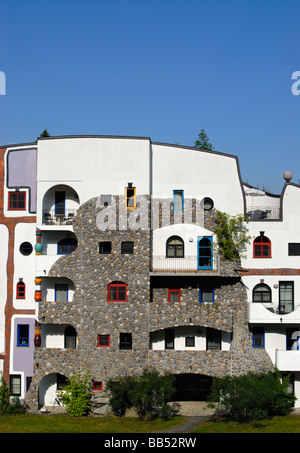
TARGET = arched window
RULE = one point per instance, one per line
(21, 290)
(117, 292)
(66, 246)
(175, 247)
(70, 337)
(262, 293)
(262, 247)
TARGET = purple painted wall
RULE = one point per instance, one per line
(21, 172)
(23, 355)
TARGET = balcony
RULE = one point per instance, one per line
(54, 217)
(189, 265)
(270, 314)
(287, 360)
(263, 213)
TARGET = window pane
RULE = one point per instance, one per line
(207, 296)
(178, 199)
(113, 293)
(174, 296)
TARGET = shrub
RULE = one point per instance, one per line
(232, 235)
(253, 396)
(4, 394)
(76, 395)
(148, 394)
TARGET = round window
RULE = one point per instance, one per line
(208, 204)
(26, 248)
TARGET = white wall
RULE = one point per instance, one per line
(3, 279)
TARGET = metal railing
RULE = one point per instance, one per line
(161, 263)
(63, 217)
(262, 213)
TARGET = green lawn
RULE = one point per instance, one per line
(288, 424)
(28, 423)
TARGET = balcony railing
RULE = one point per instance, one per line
(263, 213)
(52, 217)
(187, 264)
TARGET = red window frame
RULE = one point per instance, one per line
(98, 386)
(261, 247)
(117, 292)
(103, 341)
(21, 288)
(17, 200)
(174, 291)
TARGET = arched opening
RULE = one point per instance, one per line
(60, 204)
(48, 388)
(205, 253)
(175, 247)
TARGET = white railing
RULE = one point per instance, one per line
(63, 217)
(263, 213)
(188, 263)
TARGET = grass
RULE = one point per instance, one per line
(279, 425)
(28, 423)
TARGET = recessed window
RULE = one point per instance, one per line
(61, 292)
(16, 201)
(208, 204)
(103, 341)
(178, 200)
(117, 292)
(206, 295)
(23, 335)
(286, 297)
(174, 295)
(15, 384)
(105, 248)
(26, 248)
(262, 247)
(98, 385)
(70, 337)
(66, 246)
(294, 249)
(169, 338)
(258, 337)
(261, 293)
(20, 290)
(130, 197)
(189, 341)
(127, 248)
(213, 339)
(175, 247)
(125, 340)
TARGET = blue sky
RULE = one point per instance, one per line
(163, 69)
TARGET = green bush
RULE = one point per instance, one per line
(4, 394)
(148, 394)
(76, 395)
(253, 396)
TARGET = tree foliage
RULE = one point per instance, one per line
(203, 141)
(232, 235)
(148, 394)
(253, 396)
(76, 395)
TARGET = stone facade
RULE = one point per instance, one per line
(146, 310)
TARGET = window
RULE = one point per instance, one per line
(98, 385)
(262, 247)
(206, 295)
(169, 339)
(15, 384)
(16, 201)
(103, 341)
(60, 201)
(61, 292)
(127, 248)
(104, 248)
(262, 293)
(189, 341)
(26, 248)
(294, 248)
(20, 290)
(286, 297)
(66, 246)
(70, 337)
(130, 201)
(292, 338)
(117, 292)
(175, 247)
(125, 340)
(174, 295)
(23, 335)
(258, 337)
(205, 253)
(178, 200)
(208, 204)
(213, 339)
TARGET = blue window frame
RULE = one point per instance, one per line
(206, 295)
(258, 337)
(178, 200)
(205, 252)
(23, 335)
(66, 246)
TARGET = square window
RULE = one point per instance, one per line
(258, 337)
(97, 385)
(103, 341)
(174, 295)
(207, 295)
(294, 249)
(105, 248)
(130, 198)
(16, 201)
(125, 340)
(23, 335)
(190, 341)
(127, 248)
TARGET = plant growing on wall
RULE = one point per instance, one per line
(232, 237)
